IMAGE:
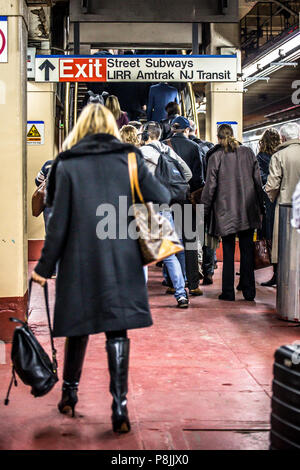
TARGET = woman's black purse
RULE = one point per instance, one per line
(29, 360)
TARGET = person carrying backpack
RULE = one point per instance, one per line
(174, 173)
(189, 152)
(208, 252)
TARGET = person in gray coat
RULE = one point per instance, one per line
(233, 203)
(152, 150)
(100, 282)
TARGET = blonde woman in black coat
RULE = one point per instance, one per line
(100, 282)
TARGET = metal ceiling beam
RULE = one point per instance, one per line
(283, 6)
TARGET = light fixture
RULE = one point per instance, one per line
(257, 78)
(284, 64)
(284, 54)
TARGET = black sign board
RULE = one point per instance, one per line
(155, 11)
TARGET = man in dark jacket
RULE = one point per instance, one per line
(189, 151)
(160, 95)
(204, 145)
(173, 110)
(209, 255)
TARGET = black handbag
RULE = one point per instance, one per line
(29, 360)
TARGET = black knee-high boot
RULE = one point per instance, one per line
(118, 361)
(75, 348)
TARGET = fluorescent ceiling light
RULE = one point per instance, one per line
(279, 57)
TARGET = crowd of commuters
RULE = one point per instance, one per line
(101, 283)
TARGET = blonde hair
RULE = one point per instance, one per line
(94, 119)
(226, 138)
(112, 103)
(129, 134)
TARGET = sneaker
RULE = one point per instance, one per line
(196, 292)
(182, 302)
(170, 290)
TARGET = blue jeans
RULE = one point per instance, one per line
(173, 266)
(181, 258)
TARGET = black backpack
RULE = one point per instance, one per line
(169, 172)
(29, 360)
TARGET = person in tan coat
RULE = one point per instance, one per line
(284, 175)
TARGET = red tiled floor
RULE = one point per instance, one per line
(227, 440)
(199, 379)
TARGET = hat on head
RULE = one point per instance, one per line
(180, 122)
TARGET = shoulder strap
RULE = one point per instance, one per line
(133, 176)
(46, 295)
(28, 300)
(154, 147)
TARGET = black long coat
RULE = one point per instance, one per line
(233, 194)
(264, 159)
(100, 283)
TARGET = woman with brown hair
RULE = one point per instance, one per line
(100, 283)
(233, 205)
(112, 103)
(267, 146)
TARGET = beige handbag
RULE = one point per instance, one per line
(157, 238)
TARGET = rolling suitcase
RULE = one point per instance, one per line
(285, 416)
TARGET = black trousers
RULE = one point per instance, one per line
(75, 348)
(190, 250)
(208, 261)
(247, 280)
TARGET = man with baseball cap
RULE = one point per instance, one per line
(189, 152)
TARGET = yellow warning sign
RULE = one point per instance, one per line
(33, 132)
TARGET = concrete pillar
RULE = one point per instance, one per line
(224, 100)
(41, 105)
(13, 201)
